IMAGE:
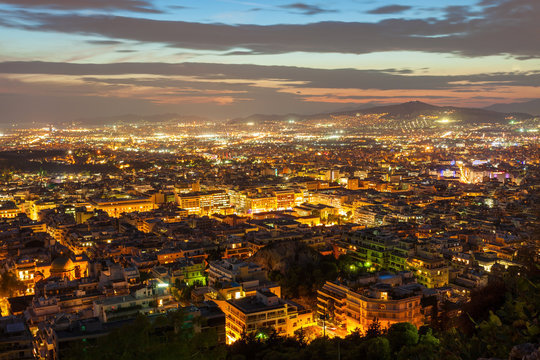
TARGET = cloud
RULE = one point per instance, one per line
(510, 27)
(240, 52)
(456, 14)
(179, 7)
(390, 9)
(129, 5)
(306, 9)
(228, 90)
(250, 75)
(105, 42)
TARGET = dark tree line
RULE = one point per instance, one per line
(491, 330)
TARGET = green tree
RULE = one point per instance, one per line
(428, 348)
(163, 337)
(377, 349)
(402, 334)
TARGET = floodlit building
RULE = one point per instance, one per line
(383, 302)
(432, 272)
(262, 312)
(115, 207)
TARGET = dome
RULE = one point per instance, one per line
(61, 264)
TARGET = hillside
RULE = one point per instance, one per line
(282, 256)
(402, 112)
(531, 107)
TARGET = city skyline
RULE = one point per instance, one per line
(62, 61)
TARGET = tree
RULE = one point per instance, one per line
(377, 349)
(374, 329)
(402, 334)
(300, 337)
(10, 285)
(427, 348)
(162, 337)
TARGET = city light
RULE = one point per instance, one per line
(228, 179)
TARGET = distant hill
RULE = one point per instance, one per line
(402, 112)
(270, 118)
(391, 114)
(414, 109)
(408, 109)
(531, 107)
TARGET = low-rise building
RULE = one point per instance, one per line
(15, 339)
(234, 270)
(147, 300)
(115, 207)
(383, 302)
(262, 312)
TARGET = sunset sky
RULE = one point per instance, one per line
(61, 60)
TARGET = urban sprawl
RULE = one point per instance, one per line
(259, 228)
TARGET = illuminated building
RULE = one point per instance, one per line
(331, 303)
(352, 183)
(147, 300)
(335, 200)
(430, 271)
(190, 201)
(184, 270)
(384, 304)
(115, 207)
(167, 256)
(285, 199)
(371, 247)
(320, 210)
(234, 270)
(239, 250)
(30, 271)
(214, 200)
(65, 267)
(397, 260)
(9, 210)
(260, 313)
(351, 310)
(256, 203)
(37, 206)
(203, 203)
(187, 188)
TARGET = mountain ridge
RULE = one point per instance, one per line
(393, 112)
(408, 110)
(531, 107)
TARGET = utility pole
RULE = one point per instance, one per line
(324, 323)
(324, 317)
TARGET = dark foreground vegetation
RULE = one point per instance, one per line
(483, 331)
